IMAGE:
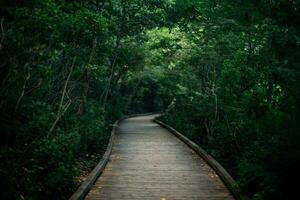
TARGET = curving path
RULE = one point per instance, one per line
(149, 162)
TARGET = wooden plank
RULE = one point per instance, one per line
(148, 162)
(85, 187)
(218, 168)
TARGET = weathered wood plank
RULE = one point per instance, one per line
(148, 162)
(225, 176)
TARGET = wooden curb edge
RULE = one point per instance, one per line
(219, 169)
(86, 186)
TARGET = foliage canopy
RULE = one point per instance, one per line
(226, 74)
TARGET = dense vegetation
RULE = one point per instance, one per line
(226, 73)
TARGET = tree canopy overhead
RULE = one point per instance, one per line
(225, 73)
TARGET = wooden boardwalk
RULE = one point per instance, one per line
(149, 162)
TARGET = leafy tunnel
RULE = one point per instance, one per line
(225, 73)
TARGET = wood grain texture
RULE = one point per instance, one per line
(149, 162)
(218, 168)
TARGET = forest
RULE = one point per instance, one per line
(225, 73)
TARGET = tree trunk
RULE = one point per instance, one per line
(62, 108)
(87, 80)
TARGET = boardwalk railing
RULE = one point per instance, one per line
(225, 176)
